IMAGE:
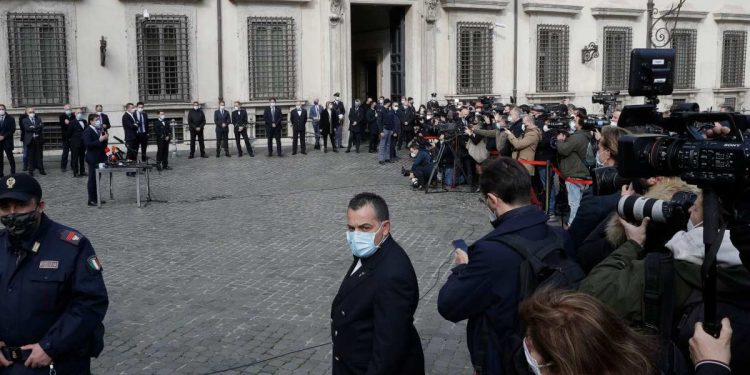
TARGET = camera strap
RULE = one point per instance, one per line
(658, 293)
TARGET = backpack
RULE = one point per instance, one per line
(590, 159)
(545, 264)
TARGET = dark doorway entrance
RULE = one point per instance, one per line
(377, 51)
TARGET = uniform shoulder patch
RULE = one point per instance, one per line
(71, 237)
(94, 263)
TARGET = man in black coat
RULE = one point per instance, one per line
(77, 149)
(299, 124)
(95, 140)
(33, 139)
(103, 116)
(142, 133)
(372, 315)
(196, 123)
(338, 107)
(372, 117)
(163, 130)
(130, 127)
(67, 119)
(239, 120)
(272, 118)
(356, 126)
(7, 129)
(222, 119)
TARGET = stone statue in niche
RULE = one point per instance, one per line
(432, 10)
(337, 9)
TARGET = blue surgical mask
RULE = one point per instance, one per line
(362, 244)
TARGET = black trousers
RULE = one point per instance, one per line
(222, 140)
(354, 138)
(35, 155)
(242, 134)
(91, 184)
(131, 152)
(8, 151)
(162, 152)
(66, 149)
(193, 135)
(374, 138)
(298, 134)
(404, 138)
(332, 137)
(272, 133)
(142, 143)
(422, 174)
(78, 153)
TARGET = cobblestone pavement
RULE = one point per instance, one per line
(237, 260)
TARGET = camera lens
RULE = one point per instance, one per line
(607, 181)
(635, 208)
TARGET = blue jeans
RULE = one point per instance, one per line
(384, 148)
(316, 127)
(552, 193)
(575, 191)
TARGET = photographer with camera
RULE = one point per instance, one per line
(572, 152)
(421, 167)
(524, 147)
(649, 283)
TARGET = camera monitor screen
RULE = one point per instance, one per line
(651, 72)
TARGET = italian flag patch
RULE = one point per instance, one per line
(94, 263)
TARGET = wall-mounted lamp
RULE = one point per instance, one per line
(102, 50)
(589, 52)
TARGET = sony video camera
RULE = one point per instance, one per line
(607, 99)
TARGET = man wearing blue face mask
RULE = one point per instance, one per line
(372, 315)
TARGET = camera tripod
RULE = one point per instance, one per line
(457, 165)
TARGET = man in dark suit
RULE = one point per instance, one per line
(77, 149)
(7, 129)
(141, 135)
(163, 130)
(196, 123)
(328, 123)
(130, 127)
(103, 116)
(299, 123)
(222, 119)
(95, 140)
(372, 315)
(67, 119)
(239, 120)
(356, 126)
(372, 118)
(34, 140)
(338, 107)
(272, 118)
(314, 114)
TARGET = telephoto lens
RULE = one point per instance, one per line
(606, 180)
(635, 208)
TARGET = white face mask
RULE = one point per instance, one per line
(236, 108)
(691, 226)
(79, 116)
(599, 161)
(161, 117)
(546, 128)
(31, 114)
(140, 109)
(414, 154)
(195, 107)
(273, 104)
(380, 102)
(613, 123)
(2, 112)
(534, 366)
(428, 117)
(572, 125)
(221, 107)
(67, 112)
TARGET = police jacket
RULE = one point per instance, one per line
(487, 287)
(55, 296)
(372, 317)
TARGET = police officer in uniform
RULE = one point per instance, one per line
(51, 287)
(372, 316)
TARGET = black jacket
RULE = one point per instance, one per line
(105, 120)
(239, 118)
(372, 317)
(94, 147)
(357, 115)
(32, 129)
(271, 120)
(196, 119)
(130, 126)
(65, 128)
(221, 119)
(593, 210)
(328, 123)
(299, 119)
(371, 117)
(7, 128)
(75, 132)
(163, 130)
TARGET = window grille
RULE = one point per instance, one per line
(552, 58)
(733, 59)
(474, 58)
(730, 101)
(271, 57)
(163, 59)
(683, 41)
(617, 44)
(38, 59)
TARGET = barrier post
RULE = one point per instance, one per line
(548, 172)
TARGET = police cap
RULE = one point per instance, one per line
(20, 187)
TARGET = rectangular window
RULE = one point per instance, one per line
(733, 59)
(552, 58)
(617, 44)
(474, 58)
(38, 59)
(730, 101)
(271, 57)
(163, 60)
(683, 41)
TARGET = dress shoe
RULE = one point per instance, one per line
(325, 150)
(357, 151)
(280, 155)
(252, 155)
(42, 172)
(294, 152)
(64, 170)
(191, 156)
(381, 162)
(204, 156)
(92, 204)
(228, 155)
(348, 151)
(270, 155)
(335, 150)
(167, 168)
(304, 153)
(239, 155)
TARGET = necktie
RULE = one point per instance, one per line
(273, 114)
